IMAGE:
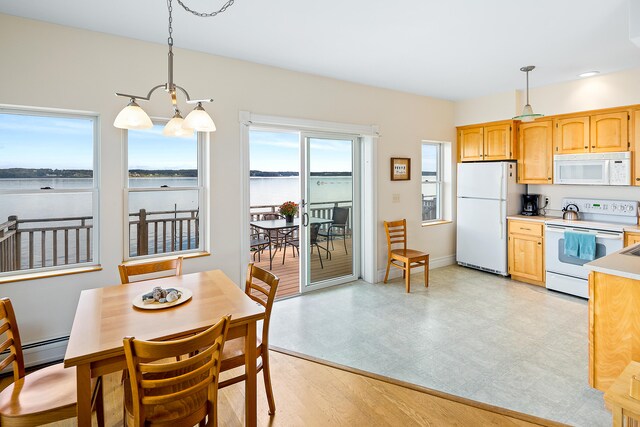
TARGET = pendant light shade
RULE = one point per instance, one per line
(199, 120)
(132, 117)
(175, 127)
(527, 112)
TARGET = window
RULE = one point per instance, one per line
(48, 190)
(165, 196)
(431, 181)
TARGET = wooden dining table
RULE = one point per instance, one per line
(106, 315)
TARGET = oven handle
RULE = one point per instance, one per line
(599, 235)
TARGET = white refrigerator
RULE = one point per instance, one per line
(487, 193)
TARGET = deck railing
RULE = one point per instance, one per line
(163, 231)
(48, 242)
(318, 210)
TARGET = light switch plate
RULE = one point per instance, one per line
(395, 198)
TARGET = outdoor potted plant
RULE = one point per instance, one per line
(289, 210)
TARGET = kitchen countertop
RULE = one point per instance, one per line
(618, 264)
(537, 218)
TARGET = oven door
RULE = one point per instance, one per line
(557, 261)
(590, 172)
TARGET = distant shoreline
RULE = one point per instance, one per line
(44, 173)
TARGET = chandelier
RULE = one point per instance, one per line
(134, 117)
(527, 112)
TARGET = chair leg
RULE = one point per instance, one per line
(267, 381)
(386, 275)
(344, 240)
(319, 255)
(407, 277)
(426, 272)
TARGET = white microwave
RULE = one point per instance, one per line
(592, 168)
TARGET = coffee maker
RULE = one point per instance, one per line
(530, 204)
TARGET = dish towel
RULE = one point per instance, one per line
(580, 245)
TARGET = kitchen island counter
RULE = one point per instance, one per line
(618, 264)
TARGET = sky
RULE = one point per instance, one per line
(28, 141)
(45, 142)
(280, 152)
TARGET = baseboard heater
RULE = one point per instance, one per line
(42, 353)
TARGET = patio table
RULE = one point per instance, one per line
(284, 227)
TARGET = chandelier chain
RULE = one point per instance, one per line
(170, 39)
(207, 15)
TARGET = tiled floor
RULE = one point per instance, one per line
(472, 334)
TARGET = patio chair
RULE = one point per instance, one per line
(403, 258)
(338, 228)
(149, 270)
(313, 241)
(164, 392)
(43, 396)
(258, 241)
(262, 293)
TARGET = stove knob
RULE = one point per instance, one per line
(614, 207)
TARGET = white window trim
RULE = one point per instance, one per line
(94, 190)
(203, 196)
(439, 181)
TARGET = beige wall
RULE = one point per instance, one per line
(58, 67)
(610, 90)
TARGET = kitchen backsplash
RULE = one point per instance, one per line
(555, 193)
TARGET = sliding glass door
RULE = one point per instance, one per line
(330, 210)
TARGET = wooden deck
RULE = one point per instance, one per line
(340, 264)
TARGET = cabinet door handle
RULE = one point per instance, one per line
(586, 146)
(523, 228)
(549, 179)
(539, 243)
(593, 146)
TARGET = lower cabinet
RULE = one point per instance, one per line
(526, 252)
(631, 238)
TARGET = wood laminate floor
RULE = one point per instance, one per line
(314, 394)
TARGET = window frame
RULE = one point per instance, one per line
(438, 181)
(94, 190)
(202, 141)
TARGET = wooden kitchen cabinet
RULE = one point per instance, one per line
(526, 252)
(489, 141)
(535, 152)
(631, 238)
(470, 144)
(572, 135)
(609, 132)
(595, 133)
(634, 132)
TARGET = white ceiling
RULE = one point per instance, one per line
(451, 49)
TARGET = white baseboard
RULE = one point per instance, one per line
(43, 352)
(433, 263)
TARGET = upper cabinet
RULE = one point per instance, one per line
(610, 132)
(470, 144)
(596, 133)
(535, 152)
(492, 141)
(572, 135)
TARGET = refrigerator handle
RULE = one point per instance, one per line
(501, 219)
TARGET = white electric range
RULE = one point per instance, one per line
(606, 219)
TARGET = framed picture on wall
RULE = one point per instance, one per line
(400, 169)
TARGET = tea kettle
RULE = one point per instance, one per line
(570, 214)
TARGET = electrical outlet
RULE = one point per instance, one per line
(395, 198)
(546, 201)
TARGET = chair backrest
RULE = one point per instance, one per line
(149, 270)
(263, 293)
(340, 216)
(11, 340)
(396, 234)
(182, 392)
(268, 216)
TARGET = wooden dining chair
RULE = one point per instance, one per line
(403, 258)
(43, 396)
(263, 293)
(149, 270)
(164, 392)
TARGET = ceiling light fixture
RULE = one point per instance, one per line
(527, 112)
(589, 74)
(134, 117)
